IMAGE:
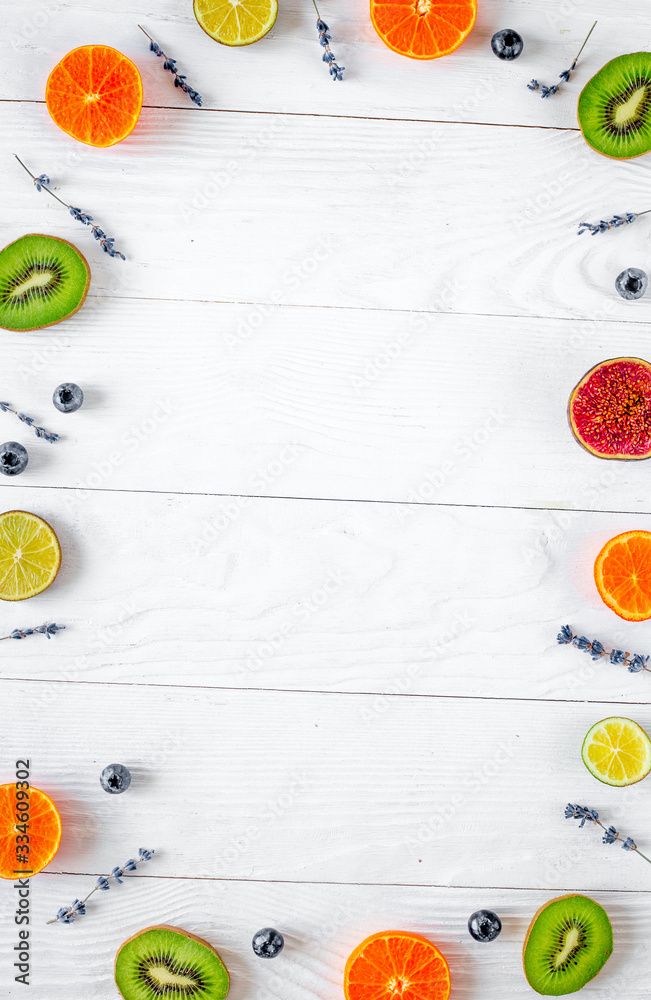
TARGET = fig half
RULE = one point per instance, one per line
(610, 409)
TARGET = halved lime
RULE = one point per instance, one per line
(617, 751)
(236, 22)
(30, 555)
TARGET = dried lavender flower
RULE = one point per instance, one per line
(604, 225)
(634, 662)
(106, 242)
(336, 72)
(39, 431)
(67, 915)
(564, 76)
(611, 834)
(47, 630)
(170, 64)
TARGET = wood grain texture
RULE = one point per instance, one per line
(284, 72)
(337, 404)
(322, 924)
(296, 786)
(386, 599)
(337, 212)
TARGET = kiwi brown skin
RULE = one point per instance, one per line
(582, 381)
(177, 930)
(557, 899)
(48, 236)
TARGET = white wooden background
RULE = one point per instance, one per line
(321, 513)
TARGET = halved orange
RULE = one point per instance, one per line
(30, 830)
(622, 573)
(396, 965)
(423, 29)
(95, 95)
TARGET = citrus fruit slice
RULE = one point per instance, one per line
(30, 555)
(622, 573)
(236, 22)
(617, 751)
(36, 818)
(423, 29)
(396, 965)
(95, 95)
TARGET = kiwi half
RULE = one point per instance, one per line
(164, 961)
(43, 280)
(615, 107)
(568, 942)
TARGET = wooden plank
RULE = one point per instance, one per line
(350, 404)
(336, 212)
(321, 923)
(469, 85)
(224, 592)
(276, 785)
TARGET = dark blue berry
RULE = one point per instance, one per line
(13, 458)
(67, 397)
(632, 283)
(507, 44)
(268, 943)
(484, 925)
(115, 778)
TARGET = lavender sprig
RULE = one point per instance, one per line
(634, 662)
(336, 72)
(47, 630)
(564, 76)
(611, 834)
(170, 64)
(39, 431)
(67, 915)
(106, 242)
(603, 226)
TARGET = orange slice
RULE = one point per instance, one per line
(622, 573)
(95, 95)
(30, 830)
(396, 965)
(423, 29)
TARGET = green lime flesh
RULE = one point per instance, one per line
(43, 280)
(615, 107)
(166, 962)
(569, 942)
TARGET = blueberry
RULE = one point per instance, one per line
(115, 778)
(484, 925)
(13, 458)
(631, 283)
(507, 44)
(67, 397)
(268, 943)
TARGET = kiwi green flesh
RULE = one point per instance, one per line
(615, 107)
(569, 942)
(43, 280)
(162, 962)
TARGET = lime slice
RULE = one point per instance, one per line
(617, 752)
(236, 22)
(30, 555)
